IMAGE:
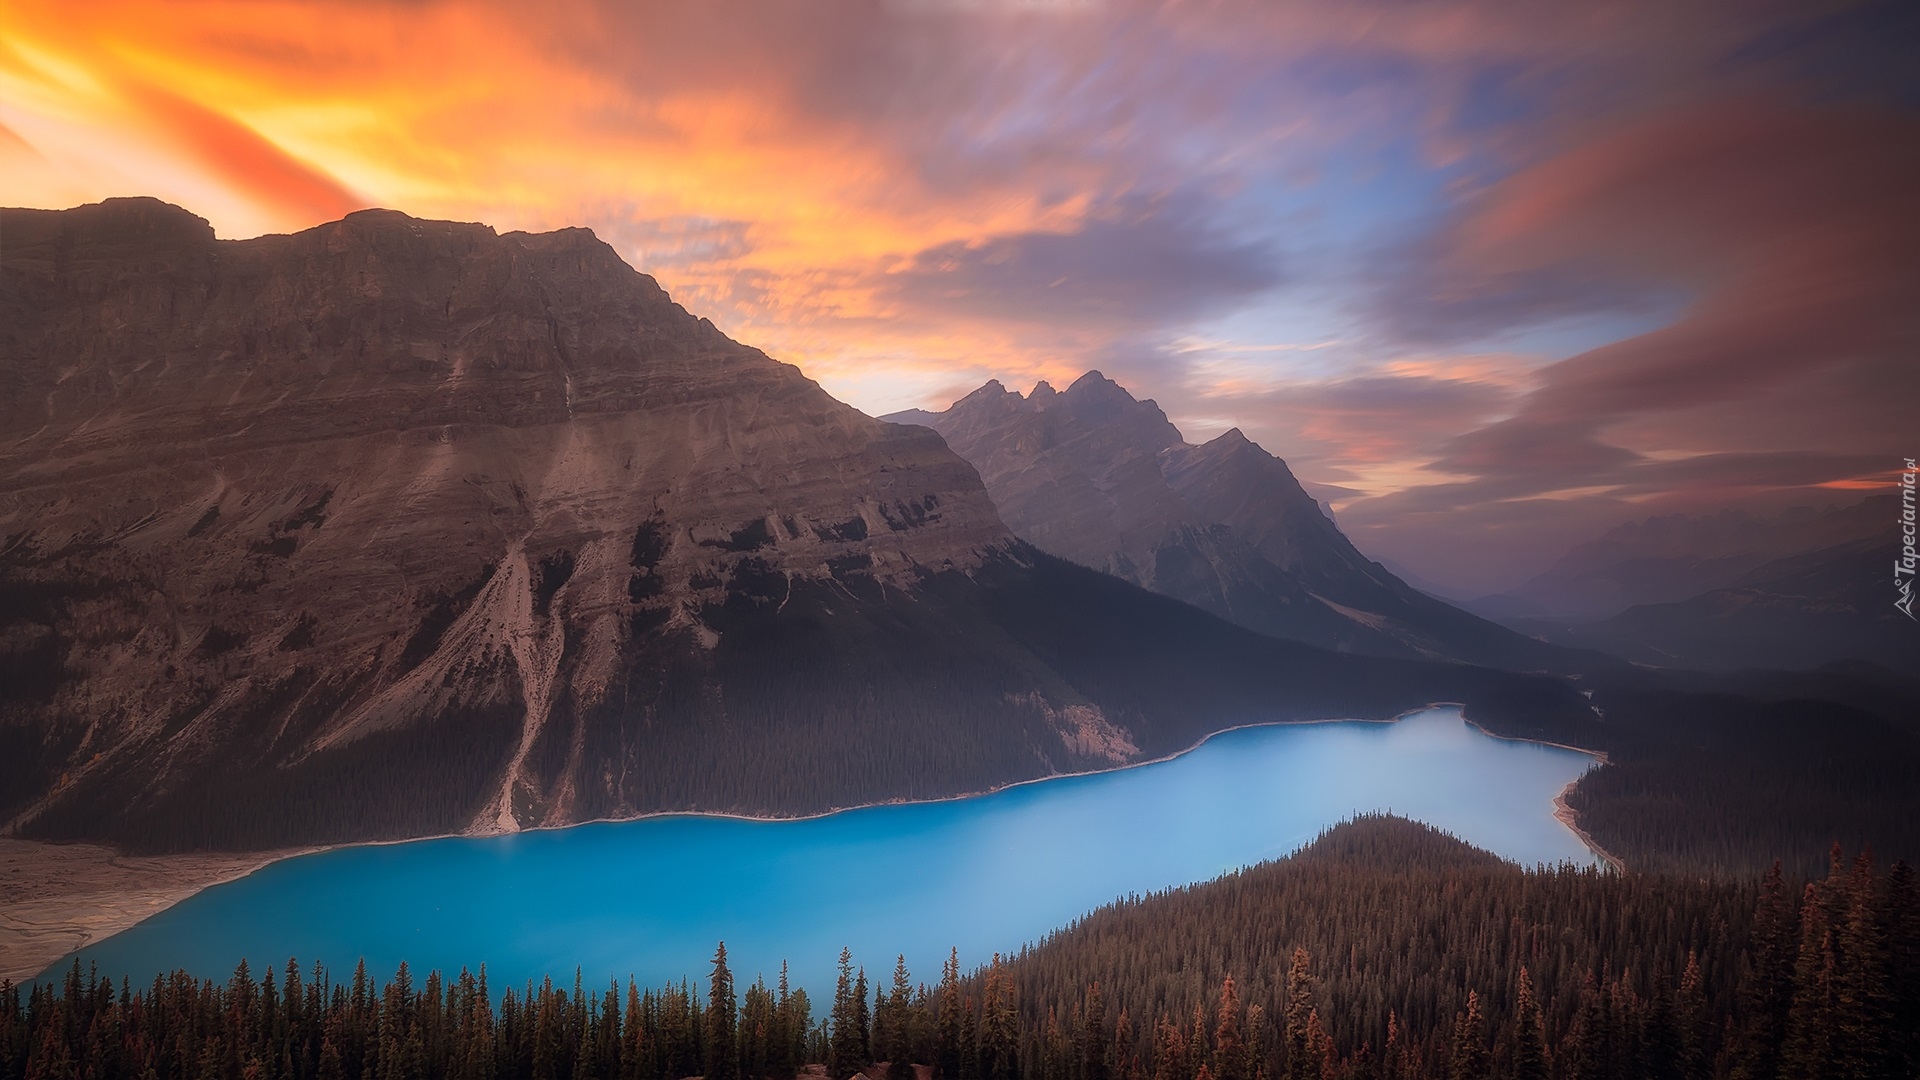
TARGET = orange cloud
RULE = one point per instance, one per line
(254, 166)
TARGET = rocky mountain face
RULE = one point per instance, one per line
(1097, 477)
(398, 527)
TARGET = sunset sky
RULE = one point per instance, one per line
(1491, 277)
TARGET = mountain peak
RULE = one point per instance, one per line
(1093, 382)
(1233, 443)
(1042, 391)
(1096, 476)
(1096, 399)
(118, 224)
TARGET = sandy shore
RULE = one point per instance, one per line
(56, 898)
(1571, 819)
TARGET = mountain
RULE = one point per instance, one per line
(1097, 477)
(1672, 557)
(1807, 610)
(396, 527)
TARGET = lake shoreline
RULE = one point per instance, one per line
(64, 897)
(1563, 811)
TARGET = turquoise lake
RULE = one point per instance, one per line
(984, 874)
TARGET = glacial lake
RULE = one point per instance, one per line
(984, 874)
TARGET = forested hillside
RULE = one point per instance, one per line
(1385, 951)
(1724, 774)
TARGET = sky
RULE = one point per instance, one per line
(1491, 277)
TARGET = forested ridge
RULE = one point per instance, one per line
(1385, 951)
(1724, 774)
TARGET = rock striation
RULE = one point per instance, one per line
(397, 527)
(1095, 476)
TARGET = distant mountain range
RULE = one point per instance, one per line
(1107, 481)
(397, 527)
(1675, 557)
(1809, 609)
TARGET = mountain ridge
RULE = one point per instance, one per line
(1094, 476)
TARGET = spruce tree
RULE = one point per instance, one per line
(1169, 1051)
(1229, 1053)
(862, 1019)
(1320, 1063)
(1766, 989)
(1692, 1022)
(1093, 1035)
(969, 1041)
(1529, 1036)
(1861, 1008)
(1903, 971)
(946, 1053)
(844, 1046)
(1301, 1059)
(999, 1027)
(898, 1047)
(1469, 1059)
(721, 1043)
(1811, 1052)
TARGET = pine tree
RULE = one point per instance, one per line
(969, 1041)
(1302, 1061)
(1659, 1032)
(1169, 1051)
(845, 1055)
(1529, 1036)
(898, 1046)
(1092, 1049)
(862, 1019)
(1320, 1063)
(1861, 1010)
(1692, 1022)
(783, 1058)
(1394, 1060)
(1229, 1053)
(1469, 1059)
(722, 1044)
(1810, 1052)
(758, 1032)
(999, 1027)
(1766, 989)
(1903, 971)
(946, 1054)
(636, 1050)
(1253, 1034)
(1125, 1056)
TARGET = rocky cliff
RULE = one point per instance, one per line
(395, 527)
(1095, 476)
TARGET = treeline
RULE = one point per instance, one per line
(1384, 952)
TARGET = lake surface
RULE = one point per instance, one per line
(985, 874)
